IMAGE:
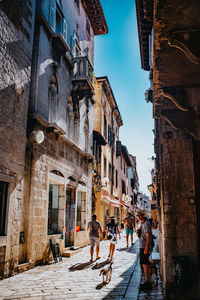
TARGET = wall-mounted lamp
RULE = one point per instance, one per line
(36, 138)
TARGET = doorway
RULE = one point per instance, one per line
(70, 217)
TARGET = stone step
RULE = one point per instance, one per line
(68, 253)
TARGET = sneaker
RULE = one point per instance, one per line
(145, 286)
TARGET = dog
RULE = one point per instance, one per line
(106, 273)
(153, 271)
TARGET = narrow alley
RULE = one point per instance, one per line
(76, 278)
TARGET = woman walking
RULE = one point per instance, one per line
(111, 232)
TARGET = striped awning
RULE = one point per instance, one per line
(124, 203)
(106, 197)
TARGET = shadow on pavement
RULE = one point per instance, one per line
(99, 286)
(100, 265)
(78, 267)
(122, 249)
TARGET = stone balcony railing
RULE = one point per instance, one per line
(83, 71)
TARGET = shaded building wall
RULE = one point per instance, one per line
(176, 97)
(16, 35)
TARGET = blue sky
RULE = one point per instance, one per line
(117, 56)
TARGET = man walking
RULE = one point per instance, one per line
(94, 228)
(145, 235)
(129, 223)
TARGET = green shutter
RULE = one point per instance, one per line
(52, 14)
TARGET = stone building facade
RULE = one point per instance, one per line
(16, 36)
(46, 179)
(59, 183)
(107, 121)
(174, 70)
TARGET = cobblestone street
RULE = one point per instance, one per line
(75, 278)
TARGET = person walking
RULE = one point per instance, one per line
(94, 229)
(111, 233)
(145, 235)
(129, 223)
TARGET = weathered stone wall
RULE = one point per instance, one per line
(54, 154)
(177, 217)
(15, 56)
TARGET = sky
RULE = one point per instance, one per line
(117, 56)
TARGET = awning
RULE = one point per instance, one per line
(124, 203)
(105, 196)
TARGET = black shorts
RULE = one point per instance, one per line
(144, 258)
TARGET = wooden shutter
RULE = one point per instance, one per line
(52, 14)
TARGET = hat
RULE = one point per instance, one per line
(141, 212)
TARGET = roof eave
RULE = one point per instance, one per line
(96, 16)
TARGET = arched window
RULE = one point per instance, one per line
(53, 100)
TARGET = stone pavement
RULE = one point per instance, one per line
(76, 278)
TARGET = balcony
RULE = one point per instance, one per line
(82, 78)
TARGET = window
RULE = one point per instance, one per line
(109, 135)
(88, 27)
(113, 175)
(116, 179)
(105, 171)
(53, 100)
(81, 211)
(77, 3)
(69, 116)
(105, 127)
(123, 187)
(113, 141)
(118, 148)
(110, 171)
(53, 208)
(3, 206)
(76, 49)
(57, 20)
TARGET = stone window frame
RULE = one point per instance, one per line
(83, 209)
(61, 182)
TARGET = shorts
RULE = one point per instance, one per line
(114, 239)
(129, 231)
(94, 240)
(144, 258)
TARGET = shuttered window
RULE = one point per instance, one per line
(56, 19)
